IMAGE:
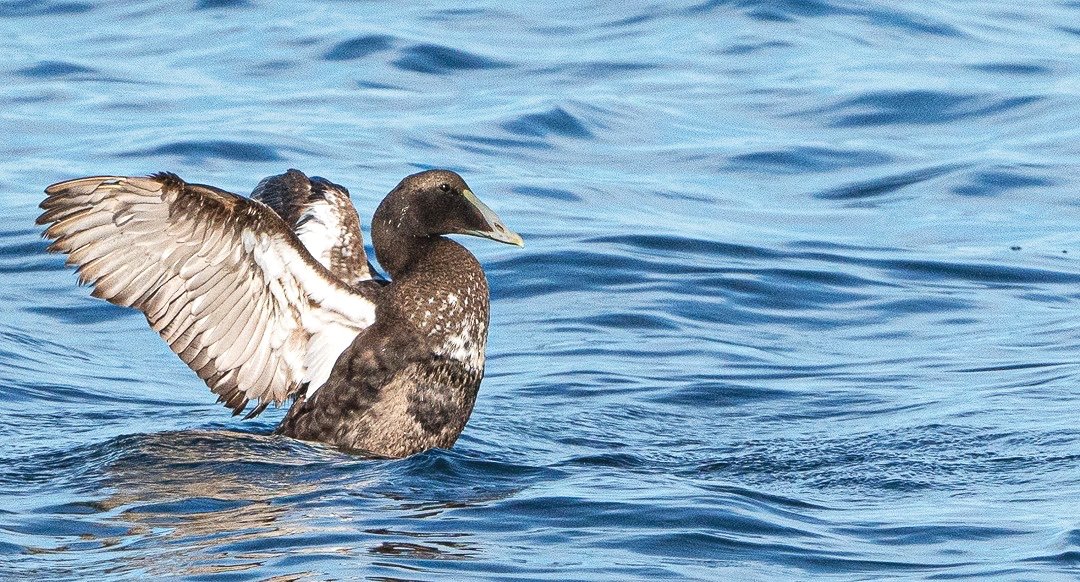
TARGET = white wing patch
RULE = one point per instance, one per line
(319, 229)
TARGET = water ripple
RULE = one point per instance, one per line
(20, 8)
(359, 47)
(196, 151)
(215, 4)
(919, 107)
(998, 182)
(881, 186)
(555, 121)
(548, 193)
(437, 59)
(598, 69)
(791, 11)
(751, 48)
(54, 69)
(1019, 69)
(806, 159)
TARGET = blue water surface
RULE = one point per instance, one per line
(798, 301)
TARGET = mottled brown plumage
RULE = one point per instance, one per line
(417, 369)
(232, 285)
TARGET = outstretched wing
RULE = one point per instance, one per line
(221, 277)
(323, 217)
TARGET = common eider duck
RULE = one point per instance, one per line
(272, 297)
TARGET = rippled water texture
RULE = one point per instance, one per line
(799, 296)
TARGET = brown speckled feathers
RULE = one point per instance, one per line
(416, 371)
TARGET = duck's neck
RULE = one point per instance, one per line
(398, 240)
(398, 252)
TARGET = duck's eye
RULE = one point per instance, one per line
(444, 187)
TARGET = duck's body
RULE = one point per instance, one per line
(409, 381)
(277, 300)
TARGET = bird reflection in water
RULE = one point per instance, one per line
(206, 502)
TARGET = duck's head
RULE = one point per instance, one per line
(431, 204)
